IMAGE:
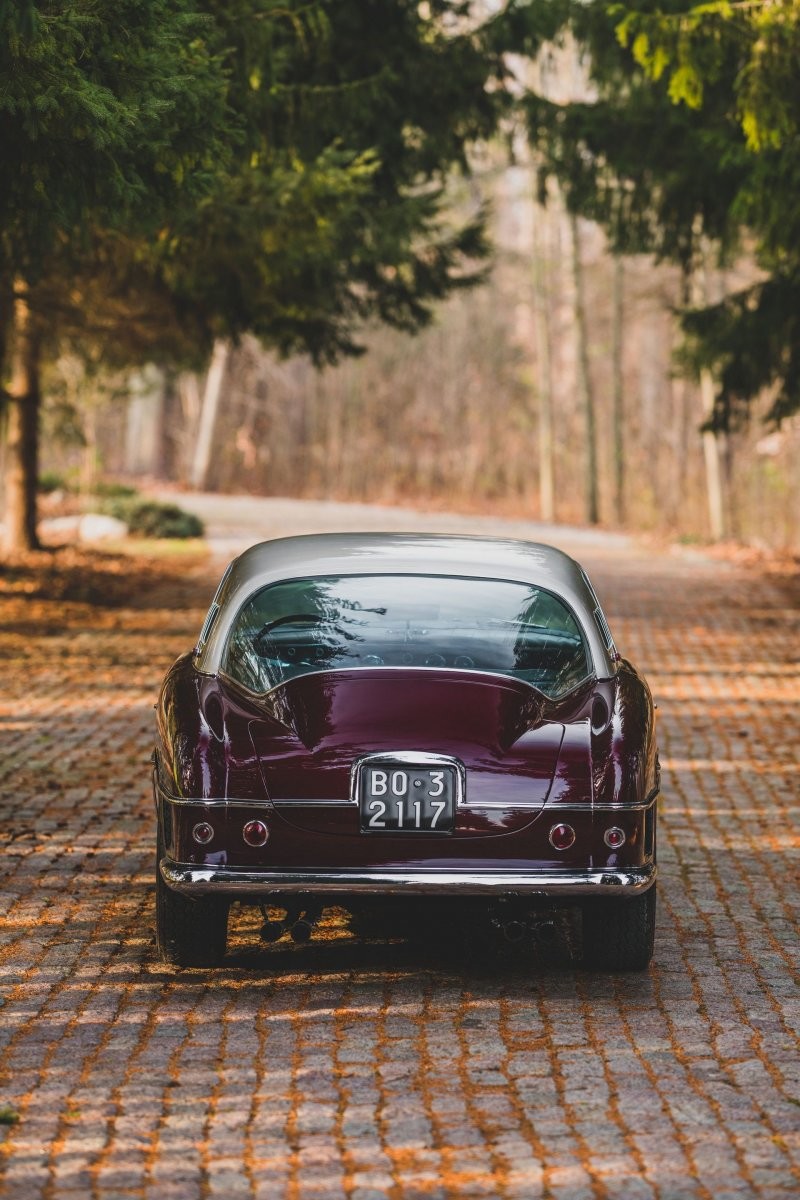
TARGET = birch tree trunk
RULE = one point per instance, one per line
(22, 437)
(618, 393)
(208, 414)
(544, 374)
(584, 380)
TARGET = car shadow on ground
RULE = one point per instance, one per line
(550, 972)
(457, 953)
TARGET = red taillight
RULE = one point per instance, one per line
(562, 837)
(614, 837)
(202, 833)
(255, 833)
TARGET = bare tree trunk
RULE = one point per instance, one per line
(711, 441)
(90, 452)
(544, 381)
(732, 496)
(683, 405)
(189, 398)
(165, 448)
(711, 457)
(618, 394)
(22, 437)
(584, 380)
(208, 414)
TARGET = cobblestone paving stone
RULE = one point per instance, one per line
(371, 1070)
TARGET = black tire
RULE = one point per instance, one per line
(370, 925)
(189, 932)
(618, 934)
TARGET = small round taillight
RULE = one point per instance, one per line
(202, 833)
(255, 833)
(562, 837)
(614, 837)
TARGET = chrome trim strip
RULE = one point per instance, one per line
(195, 802)
(618, 806)
(587, 806)
(192, 880)
(565, 810)
(301, 802)
(262, 803)
(199, 802)
(526, 806)
(412, 757)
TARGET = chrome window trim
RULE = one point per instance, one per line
(600, 618)
(208, 625)
(213, 612)
(599, 615)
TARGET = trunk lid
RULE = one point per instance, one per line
(491, 724)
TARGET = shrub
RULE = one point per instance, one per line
(149, 518)
(109, 489)
(52, 481)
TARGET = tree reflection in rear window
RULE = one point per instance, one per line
(331, 623)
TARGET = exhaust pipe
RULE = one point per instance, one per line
(546, 933)
(514, 931)
(301, 931)
(272, 931)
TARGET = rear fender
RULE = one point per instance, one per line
(622, 736)
(204, 749)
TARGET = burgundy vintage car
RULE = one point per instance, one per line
(390, 723)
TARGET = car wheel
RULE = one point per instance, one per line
(370, 923)
(618, 934)
(189, 932)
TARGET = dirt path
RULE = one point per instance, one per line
(366, 1071)
(234, 522)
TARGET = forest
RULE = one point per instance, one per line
(538, 257)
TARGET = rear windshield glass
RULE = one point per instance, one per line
(364, 621)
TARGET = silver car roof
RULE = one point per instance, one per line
(314, 555)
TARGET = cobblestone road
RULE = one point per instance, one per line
(369, 1070)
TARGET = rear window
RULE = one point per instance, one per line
(360, 622)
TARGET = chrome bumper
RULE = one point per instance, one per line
(195, 881)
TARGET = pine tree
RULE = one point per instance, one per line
(110, 116)
(281, 173)
(692, 142)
